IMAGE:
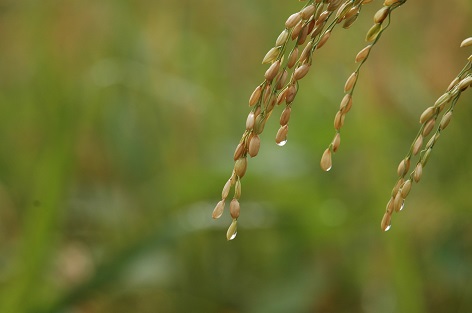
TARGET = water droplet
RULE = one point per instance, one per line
(403, 204)
(233, 236)
(388, 227)
(282, 143)
(328, 169)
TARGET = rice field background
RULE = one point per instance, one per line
(118, 123)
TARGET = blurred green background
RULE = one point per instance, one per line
(118, 122)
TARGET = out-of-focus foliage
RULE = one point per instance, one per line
(118, 121)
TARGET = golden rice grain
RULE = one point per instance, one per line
(240, 167)
(234, 208)
(326, 163)
(467, 42)
(362, 55)
(218, 210)
(254, 145)
(293, 20)
(373, 32)
(350, 82)
(381, 15)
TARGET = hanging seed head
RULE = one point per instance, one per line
(326, 163)
(240, 167)
(285, 116)
(336, 142)
(283, 37)
(301, 71)
(254, 146)
(232, 230)
(293, 20)
(445, 120)
(234, 208)
(467, 42)
(255, 96)
(226, 188)
(362, 55)
(350, 82)
(271, 55)
(381, 15)
(373, 32)
(219, 208)
(418, 172)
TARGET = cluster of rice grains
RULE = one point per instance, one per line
(444, 105)
(289, 61)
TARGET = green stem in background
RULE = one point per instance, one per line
(109, 271)
(39, 228)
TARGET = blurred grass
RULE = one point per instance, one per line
(118, 122)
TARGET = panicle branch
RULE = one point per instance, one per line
(291, 59)
(444, 105)
(381, 23)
